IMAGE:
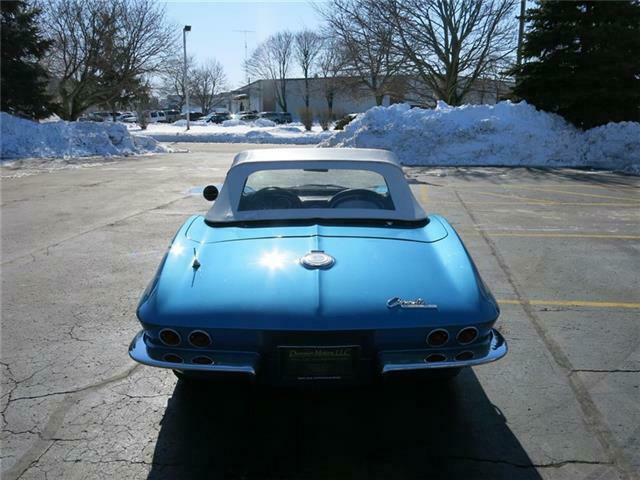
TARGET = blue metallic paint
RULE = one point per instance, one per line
(250, 292)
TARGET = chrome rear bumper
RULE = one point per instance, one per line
(390, 362)
(223, 362)
(406, 361)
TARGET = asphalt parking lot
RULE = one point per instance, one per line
(559, 248)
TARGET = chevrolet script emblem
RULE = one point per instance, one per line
(397, 302)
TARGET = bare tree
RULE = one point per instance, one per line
(172, 78)
(450, 44)
(307, 47)
(103, 48)
(272, 60)
(207, 81)
(367, 41)
(331, 62)
(496, 79)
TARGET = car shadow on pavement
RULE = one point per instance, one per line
(404, 431)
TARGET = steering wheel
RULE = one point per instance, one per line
(358, 198)
(271, 198)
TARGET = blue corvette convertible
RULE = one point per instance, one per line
(316, 265)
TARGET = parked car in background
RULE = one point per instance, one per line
(277, 117)
(172, 115)
(248, 116)
(216, 117)
(156, 116)
(193, 116)
(131, 118)
(98, 117)
(316, 265)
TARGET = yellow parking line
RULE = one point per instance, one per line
(536, 186)
(542, 202)
(564, 235)
(567, 192)
(423, 196)
(518, 197)
(572, 303)
(608, 236)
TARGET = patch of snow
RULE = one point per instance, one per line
(51, 118)
(233, 122)
(22, 138)
(618, 144)
(183, 122)
(264, 122)
(505, 134)
(235, 131)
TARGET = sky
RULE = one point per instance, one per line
(214, 23)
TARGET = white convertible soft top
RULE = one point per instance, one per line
(225, 208)
(297, 154)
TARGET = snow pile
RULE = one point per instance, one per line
(618, 144)
(235, 131)
(264, 122)
(503, 134)
(233, 122)
(22, 138)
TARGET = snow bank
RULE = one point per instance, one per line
(500, 135)
(233, 122)
(617, 144)
(236, 131)
(22, 138)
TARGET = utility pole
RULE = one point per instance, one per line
(523, 8)
(246, 72)
(187, 28)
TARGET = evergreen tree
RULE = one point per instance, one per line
(582, 60)
(23, 88)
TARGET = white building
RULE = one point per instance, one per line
(349, 96)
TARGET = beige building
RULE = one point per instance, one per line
(349, 96)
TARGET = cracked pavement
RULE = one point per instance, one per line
(80, 244)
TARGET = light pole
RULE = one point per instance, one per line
(187, 28)
(523, 10)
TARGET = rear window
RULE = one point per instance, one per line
(315, 188)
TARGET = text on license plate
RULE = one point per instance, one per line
(319, 362)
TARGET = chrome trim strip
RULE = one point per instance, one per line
(138, 352)
(497, 349)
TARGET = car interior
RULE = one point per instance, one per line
(360, 190)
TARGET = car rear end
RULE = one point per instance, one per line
(392, 302)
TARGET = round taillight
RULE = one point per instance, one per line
(202, 360)
(169, 337)
(438, 337)
(199, 339)
(463, 356)
(467, 335)
(436, 357)
(173, 358)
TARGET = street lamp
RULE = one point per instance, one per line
(187, 28)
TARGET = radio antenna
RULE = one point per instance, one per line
(246, 71)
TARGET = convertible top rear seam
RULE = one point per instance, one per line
(318, 236)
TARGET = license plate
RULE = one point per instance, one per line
(318, 363)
